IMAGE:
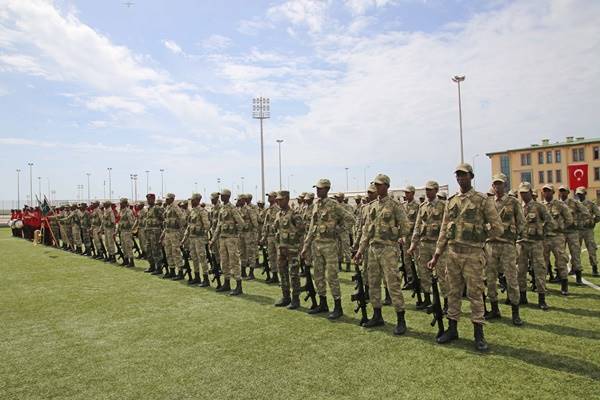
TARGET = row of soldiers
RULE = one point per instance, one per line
(465, 243)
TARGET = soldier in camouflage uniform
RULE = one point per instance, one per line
(138, 228)
(328, 219)
(196, 232)
(411, 207)
(307, 210)
(171, 238)
(587, 233)
(108, 227)
(62, 226)
(86, 227)
(229, 226)
(96, 221)
(531, 245)
(501, 251)
(386, 224)
(75, 222)
(268, 236)
(344, 239)
(289, 233)
(152, 224)
(213, 217)
(250, 215)
(468, 216)
(423, 242)
(124, 232)
(555, 241)
(573, 232)
(362, 220)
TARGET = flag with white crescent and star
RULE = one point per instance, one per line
(578, 176)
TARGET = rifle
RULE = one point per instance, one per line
(186, 262)
(416, 283)
(164, 263)
(104, 252)
(502, 282)
(532, 273)
(309, 287)
(436, 307)
(403, 266)
(265, 264)
(359, 296)
(215, 269)
(118, 246)
(93, 249)
(136, 248)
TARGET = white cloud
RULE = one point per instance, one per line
(172, 46)
(21, 63)
(216, 42)
(79, 147)
(360, 7)
(309, 13)
(107, 103)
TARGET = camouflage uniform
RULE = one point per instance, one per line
(62, 224)
(126, 222)
(197, 232)
(268, 234)
(229, 226)
(96, 221)
(140, 230)
(248, 236)
(153, 223)
(174, 221)
(86, 227)
(108, 227)
(412, 209)
(344, 246)
(213, 216)
(572, 232)
(586, 235)
(554, 242)
(75, 222)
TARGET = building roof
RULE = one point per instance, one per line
(571, 141)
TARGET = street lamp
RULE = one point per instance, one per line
(109, 184)
(88, 182)
(131, 184)
(147, 181)
(458, 79)
(30, 182)
(162, 183)
(347, 186)
(18, 189)
(261, 110)
(279, 141)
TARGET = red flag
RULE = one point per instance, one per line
(578, 175)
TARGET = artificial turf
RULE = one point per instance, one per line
(76, 328)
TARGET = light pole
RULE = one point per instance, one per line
(135, 194)
(458, 79)
(109, 184)
(162, 183)
(131, 182)
(219, 184)
(18, 189)
(261, 110)
(347, 186)
(147, 181)
(279, 141)
(39, 188)
(88, 182)
(30, 182)
(104, 189)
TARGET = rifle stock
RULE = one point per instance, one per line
(309, 287)
(359, 296)
(215, 269)
(436, 308)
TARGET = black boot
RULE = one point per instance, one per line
(244, 272)
(542, 301)
(340, 266)
(516, 319)
(564, 287)
(177, 277)
(426, 302)
(295, 303)
(107, 258)
(578, 280)
(124, 262)
(130, 263)
(347, 267)
(196, 279)
(594, 270)
(284, 301)
(400, 328)
(494, 313)
(376, 320)
(251, 276)
(450, 334)
(113, 259)
(275, 278)
(388, 300)
(523, 298)
(480, 343)
(157, 270)
(445, 309)
(150, 268)
(170, 272)
(322, 307)
(205, 281)
(225, 287)
(238, 288)
(337, 310)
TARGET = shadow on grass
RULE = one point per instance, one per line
(551, 328)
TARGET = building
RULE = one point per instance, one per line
(573, 163)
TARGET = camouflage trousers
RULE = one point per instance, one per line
(153, 246)
(142, 236)
(76, 232)
(229, 248)
(383, 262)
(344, 252)
(572, 240)
(55, 229)
(325, 259)
(63, 235)
(587, 236)
(126, 238)
(289, 266)
(406, 258)
(172, 241)
(109, 240)
(198, 254)
(243, 247)
(69, 231)
(501, 257)
(86, 237)
(272, 252)
(251, 243)
(97, 238)
(532, 253)
(555, 245)
(465, 267)
(426, 251)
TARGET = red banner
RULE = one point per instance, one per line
(578, 175)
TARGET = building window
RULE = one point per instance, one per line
(558, 176)
(557, 156)
(526, 159)
(548, 157)
(541, 177)
(578, 155)
(597, 174)
(540, 157)
(596, 152)
(549, 176)
(526, 177)
(505, 167)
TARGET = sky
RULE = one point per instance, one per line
(357, 87)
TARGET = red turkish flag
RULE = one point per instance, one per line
(578, 175)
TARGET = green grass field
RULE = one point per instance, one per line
(75, 328)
